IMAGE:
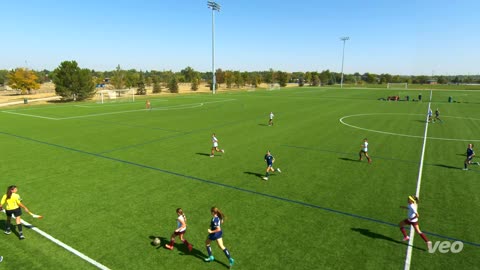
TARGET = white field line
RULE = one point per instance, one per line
(65, 246)
(32, 115)
(408, 257)
(177, 107)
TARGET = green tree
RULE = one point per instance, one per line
(118, 78)
(195, 83)
(173, 84)
(282, 78)
(72, 82)
(141, 90)
(157, 88)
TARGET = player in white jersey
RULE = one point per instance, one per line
(215, 146)
(180, 231)
(270, 119)
(412, 220)
(364, 151)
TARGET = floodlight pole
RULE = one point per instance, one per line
(343, 57)
(215, 7)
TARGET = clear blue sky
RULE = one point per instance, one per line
(397, 37)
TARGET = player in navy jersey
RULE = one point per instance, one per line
(215, 234)
(270, 160)
(470, 155)
(437, 116)
(413, 220)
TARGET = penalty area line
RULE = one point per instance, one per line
(65, 246)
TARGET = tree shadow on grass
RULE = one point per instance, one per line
(375, 235)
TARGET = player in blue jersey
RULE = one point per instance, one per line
(215, 234)
(270, 160)
(470, 155)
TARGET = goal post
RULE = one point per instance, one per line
(273, 86)
(397, 85)
(115, 95)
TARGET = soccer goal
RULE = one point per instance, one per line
(117, 95)
(397, 85)
(273, 86)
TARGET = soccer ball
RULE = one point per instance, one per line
(156, 241)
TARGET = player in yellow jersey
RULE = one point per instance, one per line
(13, 203)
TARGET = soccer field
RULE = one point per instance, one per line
(108, 178)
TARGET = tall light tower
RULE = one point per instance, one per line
(343, 57)
(215, 7)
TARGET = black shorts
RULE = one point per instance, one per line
(17, 212)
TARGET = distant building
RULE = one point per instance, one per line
(432, 81)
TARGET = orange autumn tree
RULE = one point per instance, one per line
(23, 79)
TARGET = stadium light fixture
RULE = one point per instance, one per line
(344, 39)
(215, 7)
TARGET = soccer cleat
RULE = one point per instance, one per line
(429, 245)
(7, 231)
(190, 247)
(406, 238)
(232, 261)
(465, 169)
(265, 178)
(21, 236)
(478, 163)
(167, 246)
(1, 258)
(223, 150)
(278, 170)
(210, 259)
(211, 155)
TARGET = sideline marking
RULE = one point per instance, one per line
(65, 246)
(408, 258)
(405, 135)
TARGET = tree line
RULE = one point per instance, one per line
(75, 83)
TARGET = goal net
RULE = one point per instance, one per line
(273, 86)
(116, 95)
(397, 85)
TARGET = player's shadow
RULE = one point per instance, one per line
(375, 235)
(203, 154)
(163, 241)
(254, 173)
(263, 125)
(348, 159)
(446, 166)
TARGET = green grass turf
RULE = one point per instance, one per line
(109, 177)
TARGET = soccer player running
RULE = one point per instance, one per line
(429, 115)
(470, 155)
(215, 234)
(13, 204)
(148, 106)
(413, 220)
(437, 116)
(270, 119)
(270, 160)
(215, 146)
(180, 231)
(364, 151)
